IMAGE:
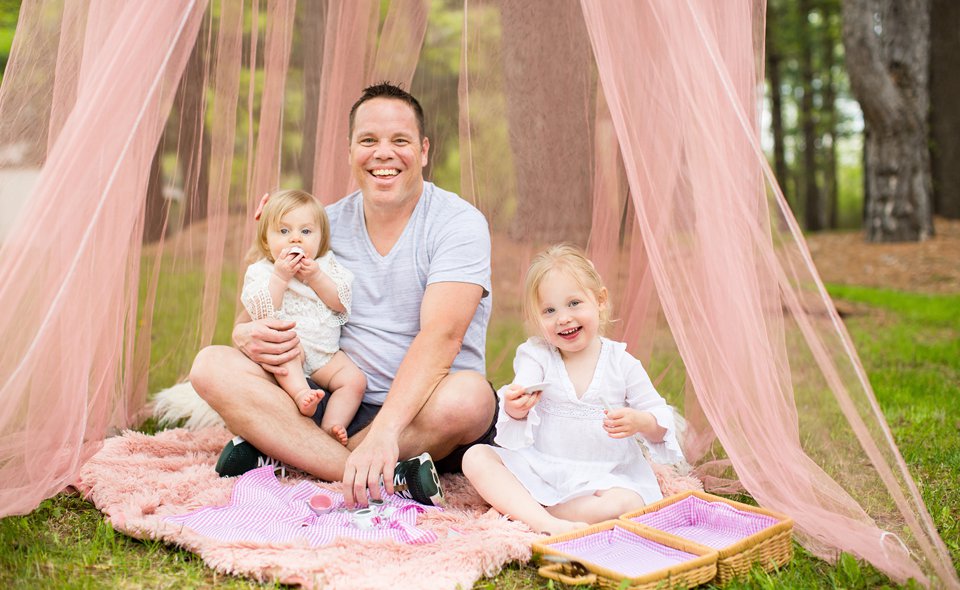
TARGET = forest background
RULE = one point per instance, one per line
(837, 99)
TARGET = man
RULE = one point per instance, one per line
(421, 304)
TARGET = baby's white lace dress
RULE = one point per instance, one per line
(318, 326)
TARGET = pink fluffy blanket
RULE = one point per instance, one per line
(138, 480)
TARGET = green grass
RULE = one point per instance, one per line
(910, 346)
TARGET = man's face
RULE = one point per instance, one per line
(387, 155)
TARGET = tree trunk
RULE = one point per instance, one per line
(774, 59)
(535, 105)
(155, 208)
(310, 21)
(945, 106)
(813, 213)
(194, 141)
(887, 45)
(829, 111)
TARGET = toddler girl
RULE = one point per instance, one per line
(567, 454)
(297, 278)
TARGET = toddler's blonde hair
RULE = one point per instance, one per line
(279, 204)
(569, 259)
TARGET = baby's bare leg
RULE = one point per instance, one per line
(503, 491)
(602, 505)
(346, 384)
(295, 384)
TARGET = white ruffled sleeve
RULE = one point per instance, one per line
(255, 295)
(642, 396)
(529, 367)
(343, 279)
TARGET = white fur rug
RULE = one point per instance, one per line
(181, 406)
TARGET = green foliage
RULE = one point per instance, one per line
(835, 112)
(9, 12)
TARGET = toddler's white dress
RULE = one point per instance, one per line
(560, 450)
(318, 326)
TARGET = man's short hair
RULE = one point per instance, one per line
(391, 91)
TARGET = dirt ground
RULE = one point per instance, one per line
(932, 266)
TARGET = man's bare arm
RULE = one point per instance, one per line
(445, 314)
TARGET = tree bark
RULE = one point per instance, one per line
(813, 211)
(945, 106)
(774, 60)
(887, 44)
(310, 20)
(155, 207)
(194, 142)
(829, 111)
(536, 103)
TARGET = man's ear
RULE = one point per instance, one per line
(424, 150)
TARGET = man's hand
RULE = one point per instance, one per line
(375, 457)
(268, 342)
(518, 404)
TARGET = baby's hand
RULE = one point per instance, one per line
(517, 403)
(626, 422)
(309, 269)
(287, 264)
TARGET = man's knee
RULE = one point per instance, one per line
(468, 393)
(207, 370)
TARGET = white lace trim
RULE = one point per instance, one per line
(341, 278)
(260, 305)
(570, 410)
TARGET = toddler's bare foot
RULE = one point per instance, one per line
(307, 401)
(339, 433)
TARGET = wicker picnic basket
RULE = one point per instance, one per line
(769, 542)
(568, 568)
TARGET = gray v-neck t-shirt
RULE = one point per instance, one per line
(445, 240)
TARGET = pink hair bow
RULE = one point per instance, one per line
(259, 211)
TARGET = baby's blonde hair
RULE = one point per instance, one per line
(569, 259)
(279, 204)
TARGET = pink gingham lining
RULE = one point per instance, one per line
(622, 551)
(714, 524)
(263, 510)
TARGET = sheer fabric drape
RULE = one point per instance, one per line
(135, 142)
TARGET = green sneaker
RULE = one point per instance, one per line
(239, 457)
(417, 479)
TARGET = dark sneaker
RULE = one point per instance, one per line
(239, 457)
(417, 479)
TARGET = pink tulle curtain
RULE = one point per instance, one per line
(135, 141)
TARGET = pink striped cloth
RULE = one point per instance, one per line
(714, 524)
(262, 510)
(623, 551)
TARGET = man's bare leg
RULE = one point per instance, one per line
(254, 407)
(459, 411)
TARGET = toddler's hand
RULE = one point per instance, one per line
(309, 269)
(626, 422)
(287, 264)
(516, 403)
